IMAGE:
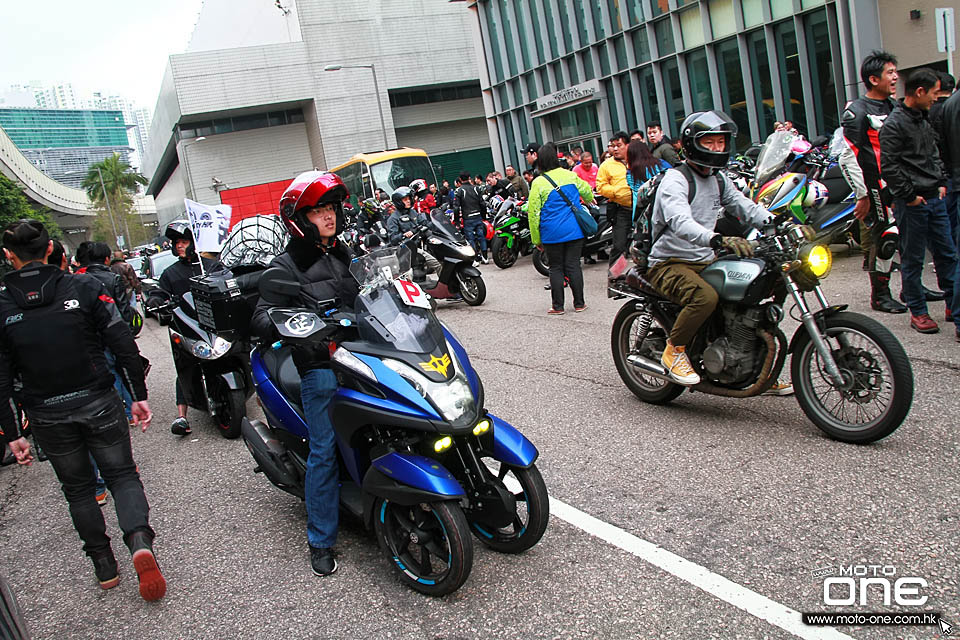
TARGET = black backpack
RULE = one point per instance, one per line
(643, 239)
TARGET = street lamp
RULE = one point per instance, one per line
(186, 163)
(376, 89)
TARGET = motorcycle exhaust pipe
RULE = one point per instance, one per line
(270, 456)
(649, 367)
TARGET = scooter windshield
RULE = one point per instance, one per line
(440, 225)
(773, 155)
(384, 316)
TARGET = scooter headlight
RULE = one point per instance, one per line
(467, 251)
(433, 240)
(352, 362)
(452, 398)
(202, 350)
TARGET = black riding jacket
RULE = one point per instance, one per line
(861, 121)
(323, 274)
(909, 155)
(467, 203)
(950, 137)
(53, 330)
(400, 222)
(116, 286)
(175, 279)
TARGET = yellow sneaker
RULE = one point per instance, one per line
(779, 388)
(678, 365)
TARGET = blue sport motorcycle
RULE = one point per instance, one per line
(422, 463)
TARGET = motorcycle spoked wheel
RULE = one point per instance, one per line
(472, 288)
(428, 544)
(878, 389)
(623, 338)
(533, 510)
(541, 263)
(503, 256)
(230, 416)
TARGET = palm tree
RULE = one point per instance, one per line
(120, 183)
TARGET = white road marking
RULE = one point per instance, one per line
(716, 585)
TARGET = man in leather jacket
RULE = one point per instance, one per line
(312, 210)
(53, 329)
(914, 174)
(861, 122)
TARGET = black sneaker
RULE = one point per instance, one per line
(105, 566)
(322, 561)
(180, 427)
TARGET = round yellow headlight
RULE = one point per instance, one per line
(819, 260)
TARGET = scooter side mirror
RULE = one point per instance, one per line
(276, 286)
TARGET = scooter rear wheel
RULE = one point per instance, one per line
(428, 544)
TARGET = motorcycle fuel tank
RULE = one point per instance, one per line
(732, 276)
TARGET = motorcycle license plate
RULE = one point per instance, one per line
(411, 294)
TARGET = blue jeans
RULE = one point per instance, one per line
(118, 384)
(953, 209)
(476, 233)
(923, 226)
(322, 490)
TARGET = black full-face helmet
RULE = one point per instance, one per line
(180, 230)
(399, 194)
(704, 123)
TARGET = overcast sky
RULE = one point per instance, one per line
(119, 48)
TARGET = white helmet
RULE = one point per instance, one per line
(816, 196)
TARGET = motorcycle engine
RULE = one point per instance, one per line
(731, 358)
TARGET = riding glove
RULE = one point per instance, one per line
(734, 244)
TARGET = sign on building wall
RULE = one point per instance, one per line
(571, 94)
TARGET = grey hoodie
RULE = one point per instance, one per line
(683, 231)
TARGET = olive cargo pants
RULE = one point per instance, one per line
(680, 282)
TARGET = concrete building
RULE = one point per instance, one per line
(249, 105)
(64, 143)
(575, 71)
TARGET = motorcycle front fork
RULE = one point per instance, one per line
(813, 329)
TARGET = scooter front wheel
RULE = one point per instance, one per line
(230, 416)
(428, 544)
(472, 289)
(532, 510)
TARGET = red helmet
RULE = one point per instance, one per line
(307, 190)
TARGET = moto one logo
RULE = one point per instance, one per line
(854, 582)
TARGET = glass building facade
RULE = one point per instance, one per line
(574, 71)
(55, 128)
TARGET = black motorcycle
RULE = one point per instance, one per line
(851, 376)
(458, 277)
(213, 365)
(602, 240)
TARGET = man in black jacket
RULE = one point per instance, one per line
(913, 172)
(312, 210)
(175, 281)
(468, 210)
(53, 327)
(947, 128)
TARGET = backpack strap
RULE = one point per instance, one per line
(687, 172)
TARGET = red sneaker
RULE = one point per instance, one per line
(948, 315)
(924, 323)
(555, 312)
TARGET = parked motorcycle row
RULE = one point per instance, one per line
(424, 465)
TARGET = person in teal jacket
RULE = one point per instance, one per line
(554, 227)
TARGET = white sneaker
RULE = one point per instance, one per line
(678, 366)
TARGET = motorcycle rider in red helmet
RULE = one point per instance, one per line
(312, 210)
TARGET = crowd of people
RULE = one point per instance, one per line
(82, 391)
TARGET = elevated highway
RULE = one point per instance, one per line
(70, 207)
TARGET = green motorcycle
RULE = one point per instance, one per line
(511, 232)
